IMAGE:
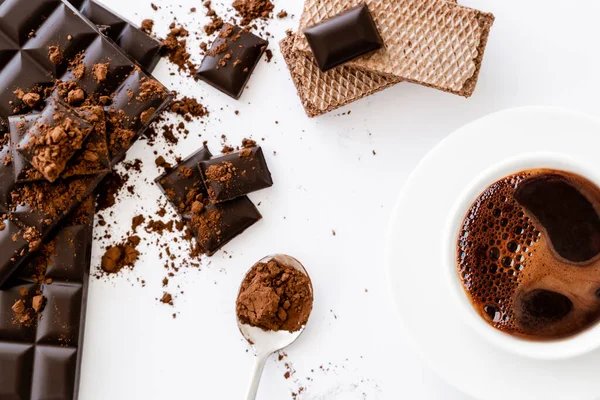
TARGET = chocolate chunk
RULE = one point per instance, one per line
(230, 61)
(235, 174)
(56, 135)
(218, 224)
(183, 182)
(344, 37)
(92, 159)
(214, 225)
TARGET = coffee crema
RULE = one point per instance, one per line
(528, 254)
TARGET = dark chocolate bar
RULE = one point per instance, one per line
(49, 40)
(40, 357)
(214, 225)
(231, 59)
(236, 174)
(139, 45)
(344, 37)
(53, 138)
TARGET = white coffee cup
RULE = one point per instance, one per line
(573, 346)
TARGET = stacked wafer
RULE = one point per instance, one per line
(434, 43)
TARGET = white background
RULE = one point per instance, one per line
(326, 178)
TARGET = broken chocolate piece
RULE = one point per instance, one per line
(230, 61)
(92, 159)
(213, 225)
(56, 135)
(236, 174)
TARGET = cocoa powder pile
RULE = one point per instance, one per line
(121, 255)
(250, 10)
(275, 297)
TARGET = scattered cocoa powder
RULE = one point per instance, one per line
(250, 10)
(282, 14)
(54, 54)
(215, 23)
(275, 297)
(176, 48)
(147, 26)
(121, 255)
(106, 193)
(248, 143)
(100, 72)
(136, 222)
(188, 108)
(28, 308)
(167, 299)
(31, 99)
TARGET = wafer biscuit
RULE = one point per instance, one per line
(429, 42)
(322, 92)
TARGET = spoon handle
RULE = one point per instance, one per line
(257, 370)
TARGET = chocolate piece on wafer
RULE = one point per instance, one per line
(344, 37)
(322, 92)
(434, 43)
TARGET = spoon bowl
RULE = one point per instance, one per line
(264, 343)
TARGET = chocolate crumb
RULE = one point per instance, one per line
(167, 299)
(100, 72)
(121, 255)
(269, 55)
(147, 26)
(55, 55)
(250, 10)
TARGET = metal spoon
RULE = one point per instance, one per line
(264, 343)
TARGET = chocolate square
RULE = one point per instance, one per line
(213, 225)
(230, 61)
(92, 159)
(55, 136)
(236, 174)
(342, 38)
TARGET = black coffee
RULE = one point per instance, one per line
(528, 254)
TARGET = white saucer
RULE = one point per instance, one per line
(419, 285)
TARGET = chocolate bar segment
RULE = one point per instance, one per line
(140, 46)
(40, 354)
(214, 225)
(15, 243)
(344, 37)
(183, 183)
(53, 138)
(236, 174)
(230, 61)
(91, 160)
(434, 43)
(322, 92)
(218, 224)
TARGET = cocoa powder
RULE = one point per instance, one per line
(121, 255)
(250, 10)
(275, 297)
